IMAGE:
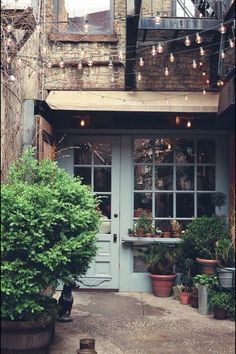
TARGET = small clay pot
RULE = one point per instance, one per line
(184, 298)
(166, 234)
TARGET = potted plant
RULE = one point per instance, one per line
(160, 259)
(218, 199)
(143, 225)
(187, 282)
(176, 228)
(49, 227)
(204, 283)
(166, 229)
(226, 267)
(219, 301)
(200, 240)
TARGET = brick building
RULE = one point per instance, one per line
(146, 118)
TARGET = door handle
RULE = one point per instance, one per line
(114, 238)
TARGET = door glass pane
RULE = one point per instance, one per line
(102, 179)
(164, 204)
(205, 151)
(164, 177)
(84, 173)
(184, 205)
(83, 154)
(184, 151)
(142, 201)
(102, 154)
(185, 178)
(105, 205)
(204, 204)
(142, 177)
(206, 178)
(164, 150)
(138, 264)
(143, 150)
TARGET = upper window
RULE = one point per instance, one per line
(89, 16)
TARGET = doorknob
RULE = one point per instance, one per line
(115, 215)
(115, 238)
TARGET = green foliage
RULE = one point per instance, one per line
(205, 280)
(202, 235)
(145, 223)
(225, 252)
(49, 227)
(159, 258)
(220, 298)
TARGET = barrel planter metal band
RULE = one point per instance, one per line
(20, 337)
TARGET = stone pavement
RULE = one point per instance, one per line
(140, 323)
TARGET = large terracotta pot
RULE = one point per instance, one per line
(207, 266)
(32, 337)
(162, 284)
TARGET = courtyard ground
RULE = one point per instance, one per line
(140, 323)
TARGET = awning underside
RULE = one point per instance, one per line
(138, 101)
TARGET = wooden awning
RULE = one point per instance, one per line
(138, 101)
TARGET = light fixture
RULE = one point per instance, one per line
(189, 124)
(207, 81)
(90, 62)
(166, 101)
(198, 38)
(194, 64)
(231, 43)
(160, 48)
(112, 79)
(139, 77)
(186, 98)
(166, 72)
(86, 26)
(202, 52)
(222, 28)
(169, 146)
(61, 64)
(187, 41)
(49, 64)
(204, 91)
(9, 28)
(203, 73)
(221, 83)
(222, 54)
(177, 120)
(200, 63)
(110, 65)
(172, 58)
(153, 51)
(82, 123)
(80, 65)
(157, 19)
(141, 62)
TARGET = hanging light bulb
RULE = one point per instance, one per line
(231, 43)
(110, 65)
(189, 124)
(177, 120)
(160, 48)
(202, 52)
(204, 91)
(207, 81)
(80, 66)
(49, 65)
(222, 28)
(186, 98)
(194, 64)
(120, 55)
(139, 77)
(187, 41)
(153, 51)
(157, 19)
(222, 54)
(169, 146)
(141, 62)
(198, 39)
(82, 123)
(86, 26)
(9, 28)
(61, 64)
(172, 58)
(203, 73)
(112, 79)
(221, 83)
(90, 62)
(200, 63)
(166, 101)
(166, 72)
(218, 83)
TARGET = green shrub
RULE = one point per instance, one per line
(219, 298)
(49, 227)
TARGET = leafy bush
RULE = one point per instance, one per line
(49, 227)
(220, 298)
(225, 252)
(205, 280)
(201, 237)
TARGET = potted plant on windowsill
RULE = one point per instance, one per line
(176, 228)
(49, 226)
(200, 241)
(143, 226)
(166, 228)
(160, 259)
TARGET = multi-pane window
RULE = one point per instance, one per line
(173, 178)
(92, 17)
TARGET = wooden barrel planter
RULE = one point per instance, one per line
(20, 337)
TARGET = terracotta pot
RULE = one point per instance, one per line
(194, 300)
(184, 298)
(140, 233)
(207, 266)
(219, 313)
(149, 234)
(162, 284)
(166, 234)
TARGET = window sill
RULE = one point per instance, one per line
(75, 37)
(146, 240)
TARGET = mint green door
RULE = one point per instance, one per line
(97, 161)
